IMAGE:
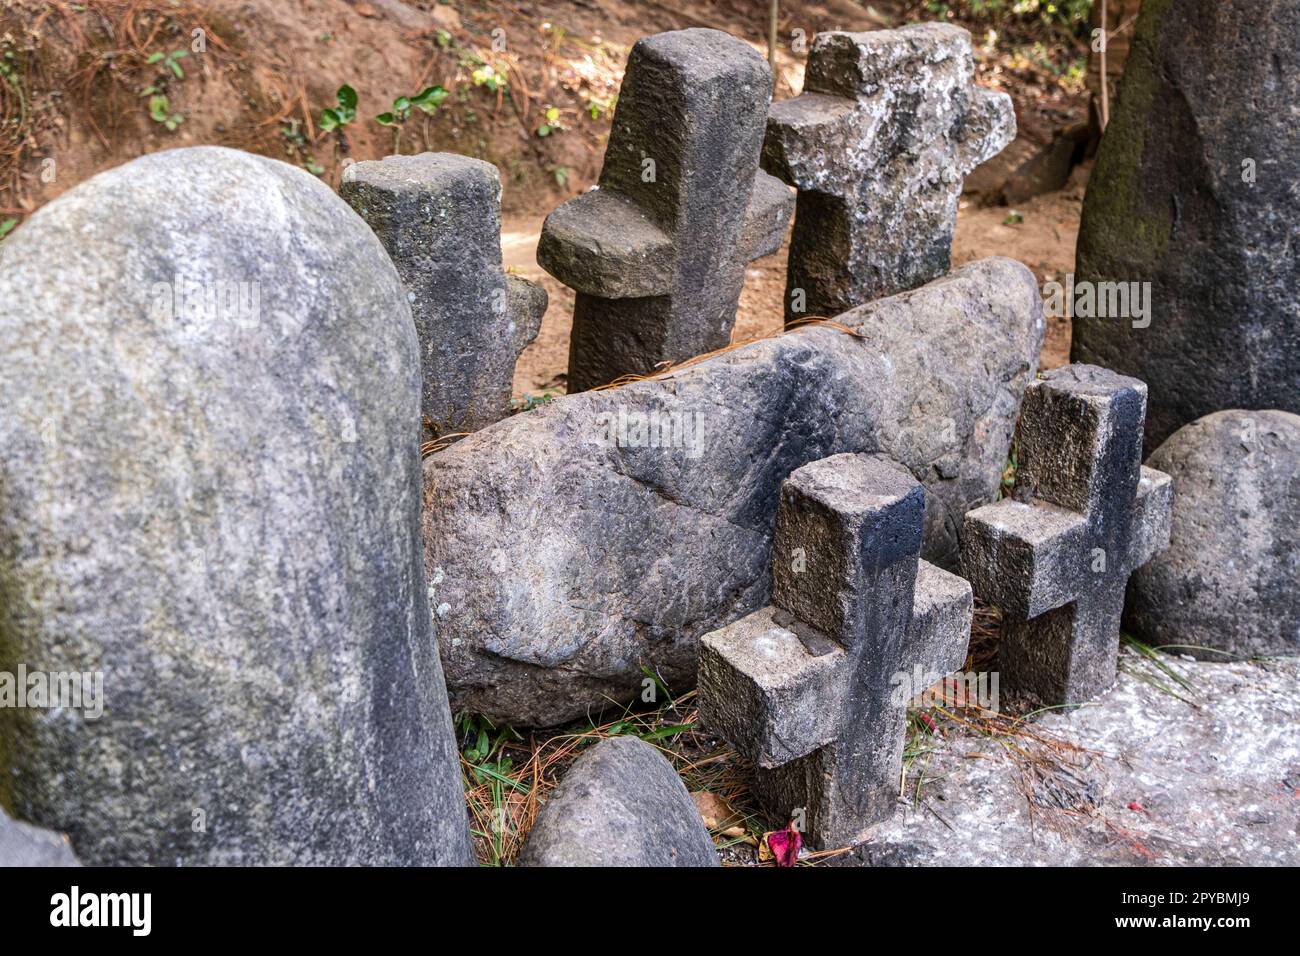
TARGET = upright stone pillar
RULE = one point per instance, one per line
(1192, 205)
(439, 217)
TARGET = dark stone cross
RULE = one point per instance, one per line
(1056, 557)
(808, 687)
(657, 252)
(878, 143)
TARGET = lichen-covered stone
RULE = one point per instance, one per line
(888, 124)
(563, 557)
(209, 431)
(1194, 192)
(439, 217)
(620, 804)
(1229, 583)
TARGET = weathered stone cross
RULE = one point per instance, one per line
(438, 216)
(888, 125)
(808, 687)
(657, 253)
(1056, 557)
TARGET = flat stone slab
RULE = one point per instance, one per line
(1218, 784)
(567, 546)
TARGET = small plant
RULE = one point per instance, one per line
(426, 101)
(486, 75)
(442, 38)
(295, 144)
(160, 111)
(552, 122)
(335, 118)
(170, 61)
(597, 107)
(1013, 218)
(7, 226)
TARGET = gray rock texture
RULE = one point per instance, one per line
(22, 844)
(887, 125)
(1194, 192)
(813, 700)
(620, 804)
(439, 217)
(211, 497)
(657, 253)
(1230, 579)
(1157, 781)
(569, 545)
(1057, 556)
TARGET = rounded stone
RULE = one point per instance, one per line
(209, 500)
(1227, 584)
(620, 804)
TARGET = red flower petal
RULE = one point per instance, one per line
(784, 845)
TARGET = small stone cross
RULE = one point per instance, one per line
(807, 688)
(438, 216)
(657, 252)
(888, 125)
(1056, 557)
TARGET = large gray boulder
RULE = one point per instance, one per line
(1194, 191)
(568, 546)
(620, 804)
(209, 428)
(22, 844)
(1230, 577)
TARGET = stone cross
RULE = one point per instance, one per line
(888, 125)
(808, 687)
(1056, 557)
(657, 252)
(439, 217)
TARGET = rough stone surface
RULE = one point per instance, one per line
(620, 804)
(768, 695)
(560, 561)
(439, 217)
(887, 125)
(845, 563)
(218, 509)
(1230, 579)
(22, 844)
(1159, 781)
(1057, 556)
(657, 253)
(1194, 191)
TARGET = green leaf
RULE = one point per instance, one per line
(402, 104)
(386, 119)
(155, 57)
(429, 98)
(329, 120)
(543, 130)
(176, 69)
(347, 97)
(7, 226)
